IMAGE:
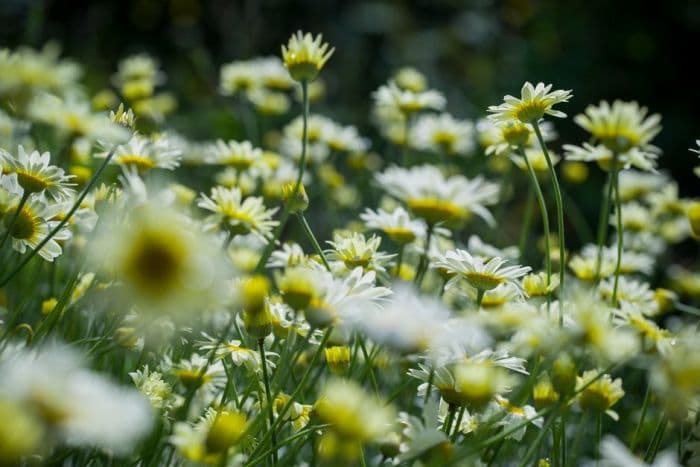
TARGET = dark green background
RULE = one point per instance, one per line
(473, 51)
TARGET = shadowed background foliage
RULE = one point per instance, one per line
(473, 51)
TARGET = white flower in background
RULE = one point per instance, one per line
(241, 156)
(407, 102)
(355, 250)
(146, 153)
(343, 138)
(435, 198)
(616, 454)
(232, 213)
(28, 69)
(81, 407)
(632, 291)
(409, 322)
(633, 157)
(635, 184)
(164, 265)
(397, 224)
(75, 117)
(139, 67)
(291, 254)
(482, 274)
(443, 134)
(478, 247)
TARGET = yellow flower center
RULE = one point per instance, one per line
(483, 280)
(26, 224)
(140, 162)
(435, 210)
(32, 182)
(531, 111)
(155, 263)
(400, 235)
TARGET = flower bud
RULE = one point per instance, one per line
(563, 375)
(338, 359)
(299, 201)
(694, 217)
(227, 429)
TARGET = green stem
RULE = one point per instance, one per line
(8, 228)
(479, 298)
(560, 219)
(455, 433)
(527, 221)
(543, 212)
(620, 233)
(368, 364)
(63, 222)
(292, 398)
(540, 437)
(642, 416)
(424, 262)
(310, 235)
(430, 385)
(598, 435)
(447, 426)
(266, 381)
(603, 222)
(399, 260)
(656, 440)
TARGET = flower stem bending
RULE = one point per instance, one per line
(560, 218)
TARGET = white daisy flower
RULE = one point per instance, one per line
(81, 407)
(397, 224)
(480, 273)
(435, 198)
(405, 101)
(534, 103)
(236, 215)
(35, 174)
(443, 134)
(144, 153)
(355, 250)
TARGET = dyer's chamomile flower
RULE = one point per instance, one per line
(443, 134)
(410, 79)
(151, 384)
(304, 56)
(620, 126)
(534, 103)
(390, 96)
(536, 158)
(290, 254)
(32, 224)
(356, 250)
(436, 198)
(163, 264)
(480, 273)
(76, 405)
(409, 322)
(631, 291)
(344, 138)
(209, 440)
(232, 213)
(397, 225)
(599, 393)
(75, 118)
(614, 453)
(36, 174)
(239, 155)
(352, 413)
(603, 156)
(29, 71)
(146, 153)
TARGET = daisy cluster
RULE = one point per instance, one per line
(426, 294)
